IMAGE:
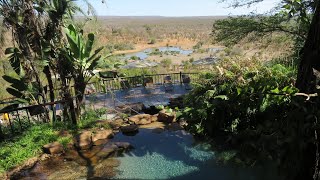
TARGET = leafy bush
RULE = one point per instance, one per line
(152, 41)
(255, 108)
(134, 58)
(238, 91)
(135, 72)
(166, 62)
(112, 62)
(90, 117)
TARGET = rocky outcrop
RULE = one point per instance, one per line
(154, 125)
(166, 117)
(107, 150)
(123, 145)
(101, 137)
(87, 139)
(116, 124)
(143, 119)
(154, 118)
(83, 140)
(53, 148)
(133, 128)
(97, 153)
(16, 173)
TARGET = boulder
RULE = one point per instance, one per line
(53, 148)
(141, 119)
(134, 119)
(107, 150)
(83, 140)
(130, 128)
(123, 145)
(154, 118)
(144, 122)
(102, 135)
(19, 171)
(166, 117)
(153, 125)
(100, 142)
(174, 127)
(116, 124)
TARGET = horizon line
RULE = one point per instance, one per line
(156, 16)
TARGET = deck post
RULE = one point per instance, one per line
(11, 125)
(180, 78)
(19, 120)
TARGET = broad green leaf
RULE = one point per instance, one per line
(210, 93)
(14, 92)
(89, 45)
(276, 91)
(9, 51)
(96, 52)
(11, 80)
(10, 107)
(239, 90)
(222, 97)
(94, 63)
(14, 58)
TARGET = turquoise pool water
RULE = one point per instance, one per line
(176, 155)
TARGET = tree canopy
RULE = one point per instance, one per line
(297, 18)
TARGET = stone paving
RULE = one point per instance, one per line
(149, 96)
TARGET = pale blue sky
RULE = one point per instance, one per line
(174, 7)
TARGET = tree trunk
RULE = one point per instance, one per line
(306, 82)
(310, 59)
(80, 87)
(48, 74)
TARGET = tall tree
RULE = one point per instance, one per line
(306, 80)
(80, 56)
(305, 14)
(37, 30)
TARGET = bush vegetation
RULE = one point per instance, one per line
(25, 146)
(29, 144)
(254, 108)
(264, 110)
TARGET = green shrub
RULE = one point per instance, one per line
(134, 58)
(135, 72)
(237, 91)
(152, 41)
(254, 108)
(90, 116)
(166, 62)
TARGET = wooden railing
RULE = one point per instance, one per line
(17, 119)
(120, 83)
(22, 116)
